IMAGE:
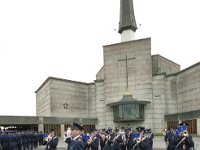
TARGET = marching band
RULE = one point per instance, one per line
(117, 139)
(139, 139)
(176, 138)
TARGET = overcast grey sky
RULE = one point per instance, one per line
(64, 39)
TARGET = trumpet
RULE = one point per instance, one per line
(185, 133)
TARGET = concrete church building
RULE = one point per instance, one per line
(133, 88)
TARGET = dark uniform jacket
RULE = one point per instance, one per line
(76, 144)
(143, 145)
(5, 142)
(95, 143)
(130, 141)
(14, 142)
(110, 142)
(184, 143)
(150, 135)
(169, 138)
(52, 144)
(116, 144)
(102, 142)
(119, 143)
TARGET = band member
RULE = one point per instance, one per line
(110, 140)
(169, 136)
(52, 140)
(150, 136)
(76, 142)
(183, 140)
(93, 142)
(103, 139)
(141, 142)
(67, 133)
(117, 139)
(123, 138)
(13, 141)
(86, 137)
(130, 139)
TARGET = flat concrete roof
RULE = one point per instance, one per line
(22, 120)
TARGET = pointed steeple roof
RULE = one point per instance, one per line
(127, 17)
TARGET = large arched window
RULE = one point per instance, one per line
(128, 109)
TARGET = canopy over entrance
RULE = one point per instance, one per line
(128, 109)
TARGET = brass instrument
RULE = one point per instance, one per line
(185, 133)
(92, 138)
(115, 139)
(45, 140)
(164, 131)
(49, 138)
(107, 139)
(181, 141)
(140, 139)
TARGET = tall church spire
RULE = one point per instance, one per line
(127, 24)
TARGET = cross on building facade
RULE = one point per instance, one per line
(126, 61)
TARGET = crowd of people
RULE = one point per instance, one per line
(21, 140)
(176, 138)
(109, 139)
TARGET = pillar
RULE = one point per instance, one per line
(198, 126)
(41, 128)
(62, 129)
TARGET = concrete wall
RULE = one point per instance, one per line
(92, 113)
(75, 94)
(139, 75)
(164, 65)
(100, 104)
(55, 92)
(171, 95)
(43, 105)
(100, 74)
(159, 97)
(188, 89)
